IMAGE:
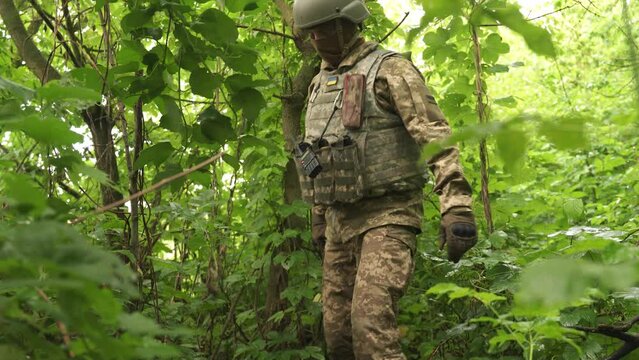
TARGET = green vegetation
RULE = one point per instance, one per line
(100, 100)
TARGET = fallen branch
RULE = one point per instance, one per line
(152, 188)
(631, 341)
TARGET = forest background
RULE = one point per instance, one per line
(150, 208)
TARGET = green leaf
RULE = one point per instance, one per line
(47, 130)
(537, 39)
(171, 115)
(241, 58)
(453, 291)
(488, 298)
(204, 83)
(215, 126)
(216, 27)
(440, 9)
(569, 281)
(565, 133)
(88, 77)
(250, 101)
(93, 173)
(137, 323)
(231, 160)
(156, 154)
(237, 82)
(16, 89)
(55, 91)
(574, 208)
(241, 5)
(23, 193)
(512, 145)
(136, 19)
(509, 102)
(168, 171)
(131, 51)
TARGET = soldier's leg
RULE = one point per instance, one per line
(385, 266)
(337, 293)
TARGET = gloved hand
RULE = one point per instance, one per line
(458, 232)
(318, 229)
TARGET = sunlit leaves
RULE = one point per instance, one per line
(56, 91)
(492, 47)
(45, 129)
(456, 292)
(441, 9)
(537, 39)
(570, 280)
(565, 132)
(512, 144)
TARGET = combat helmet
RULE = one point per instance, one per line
(310, 13)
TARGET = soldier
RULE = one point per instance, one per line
(369, 113)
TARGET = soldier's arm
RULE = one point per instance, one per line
(401, 89)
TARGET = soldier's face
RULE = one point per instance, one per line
(326, 40)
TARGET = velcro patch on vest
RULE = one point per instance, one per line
(353, 105)
(332, 80)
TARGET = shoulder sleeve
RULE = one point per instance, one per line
(400, 88)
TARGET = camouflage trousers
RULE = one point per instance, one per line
(364, 277)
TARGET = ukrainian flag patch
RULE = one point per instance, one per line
(332, 80)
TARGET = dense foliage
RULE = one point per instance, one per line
(100, 100)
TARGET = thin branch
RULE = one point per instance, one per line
(29, 52)
(537, 17)
(395, 28)
(630, 234)
(631, 341)
(271, 32)
(153, 187)
(58, 35)
(553, 12)
(63, 329)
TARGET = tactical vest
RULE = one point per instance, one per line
(377, 158)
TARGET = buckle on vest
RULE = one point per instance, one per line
(337, 104)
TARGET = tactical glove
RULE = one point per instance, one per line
(458, 232)
(318, 228)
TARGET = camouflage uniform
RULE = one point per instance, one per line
(370, 244)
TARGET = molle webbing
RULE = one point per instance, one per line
(381, 156)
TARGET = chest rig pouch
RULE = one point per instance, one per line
(341, 175)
